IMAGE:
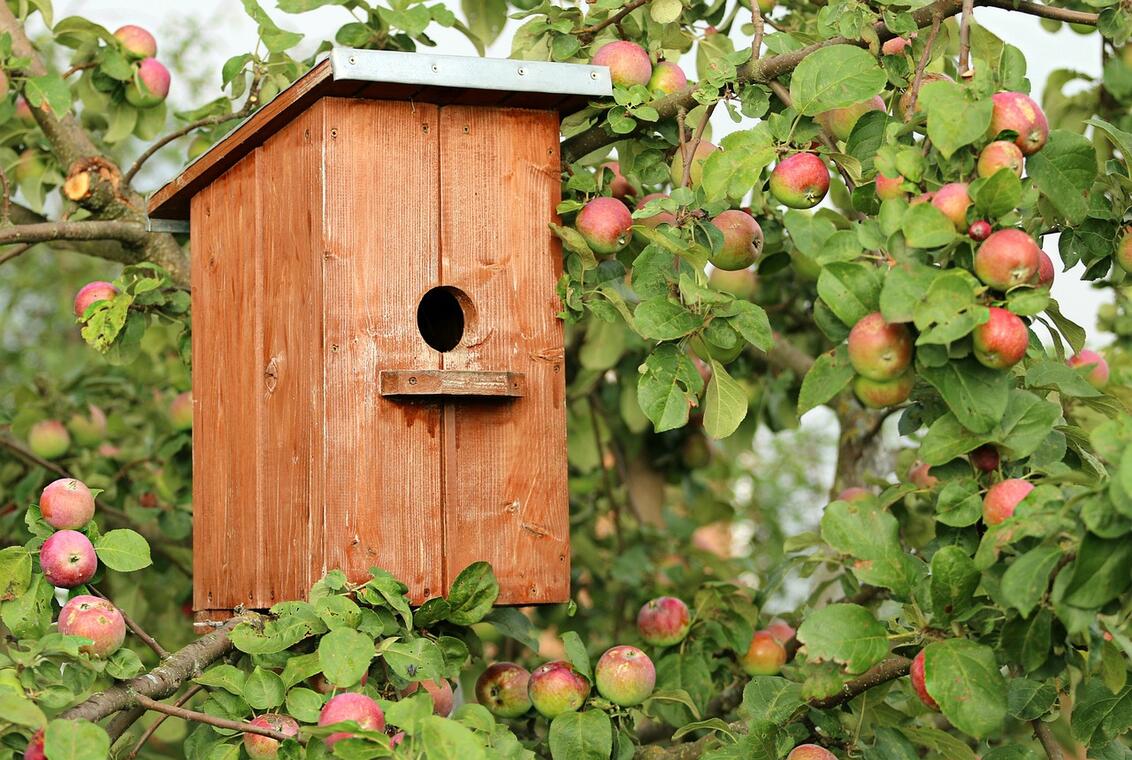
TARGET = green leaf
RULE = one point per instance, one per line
(576, 653)
(954, 119)
(1121, 139)
(1099, 716)
(514, 625)
(299, 668)
(925, 226)
(486, 18)
(1064, 170)
(304, 705)
(976, 395)
(75, 740)
(264, 690)
(725, 403)
(442, 739)
(224, 676)
(664, 319)
(771, 699)
(939, 743)
(473, 593)
(1027, 699)
(123, 550)
(959, 503)
(850, 290)
(276, 40)
(50, 91)
(950, 309)
(999, 194)
(668, 387)
(845, 633)
(415, 660)
(1101, 572)
(830, 373)
(835, 77)
(963, 677)
(732, 171)
(20, 710)
(581, 736)
(905, 286)
(1026, 423)
(750, 321)
(665, 11)
(954, 580)
(15, 572)
(1054, 375)
(295, 622)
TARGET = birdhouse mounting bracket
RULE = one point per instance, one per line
(441, 382)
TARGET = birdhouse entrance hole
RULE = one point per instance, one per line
(442, 316)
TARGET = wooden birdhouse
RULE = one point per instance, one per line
(378, 373)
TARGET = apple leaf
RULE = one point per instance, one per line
(845, 633)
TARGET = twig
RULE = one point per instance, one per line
(235, 725)
(164, 680)
(132, 624)
(44, 232)
(208, 121)
(1044, 11)
(757, 22)
(19, 250)
(587, 33)
(925, 58)
(189, 694)
(683, 145)
(77, 68)
(966, 71)
(1049, 743)
(690, 153)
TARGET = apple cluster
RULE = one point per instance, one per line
(150, 85)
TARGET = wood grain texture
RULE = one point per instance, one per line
(451, 382)
(505, 464)
(289, 506)
(226, 388)
(380, 229)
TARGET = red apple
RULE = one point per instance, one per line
(854, 493)
(619, 187)
(1002, 498)
(605, 224)
(35, 749)
(667, 78)
(628, 63)
(1098, 375)
(664, 217)
(1017, 112)
(502, 689)
(839, 122)
(1045, 270)
(799, 181)
(350, 706)
(664, 621)
(889, 188)
(88, 430)
(742, 240)
(780, 630)
(23, 110)
(150, 85)
(979, 230)
(1124, 250)
(439, 691)
(67, 558)
(765, 656)
(1006, 259)
(1000, 154)
(95, 619)
(810, 752)
(879, 350)
(920, 475)
(181, 411)
(625, 676)
(703, 150)
(66, 504)
(137, 42)
(259, 746)
(49, 439)
(91, 293)
(1001, 341)
(985, 458)
(556, 687)
(919, 685)
(879, 394)
(953, 200)
(896, 46)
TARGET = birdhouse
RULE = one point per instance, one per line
(378, 373)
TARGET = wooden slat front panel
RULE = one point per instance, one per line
(382, 457)
(505, 461)
(290, 382)
(227, 333)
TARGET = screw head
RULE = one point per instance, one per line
(353, 60)
(593, 75)
(435, 68)
(522, 71)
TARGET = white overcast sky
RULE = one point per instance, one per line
(233, 32)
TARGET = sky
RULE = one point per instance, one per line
(231, 32)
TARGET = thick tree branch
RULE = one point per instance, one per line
(1046, 737)
(109, 249)
(152, 729)
(108, 199)
(236, 725)
(764, 70)
(165, 679)
(46, 232)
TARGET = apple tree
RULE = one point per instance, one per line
(939, 567)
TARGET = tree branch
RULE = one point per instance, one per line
(45, 232)
(763, 70)
(925, 59)
(757, 40)
(1046, 737)
(191, 692)
(965, 69)
(165, 679)
(587, 33)
(235, 725)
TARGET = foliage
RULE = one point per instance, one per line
(690, 476)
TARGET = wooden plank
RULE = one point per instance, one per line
(505, 495)
(227, 251)
(290, 364)
(450, 383)
(381, 241)
(172, 200)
